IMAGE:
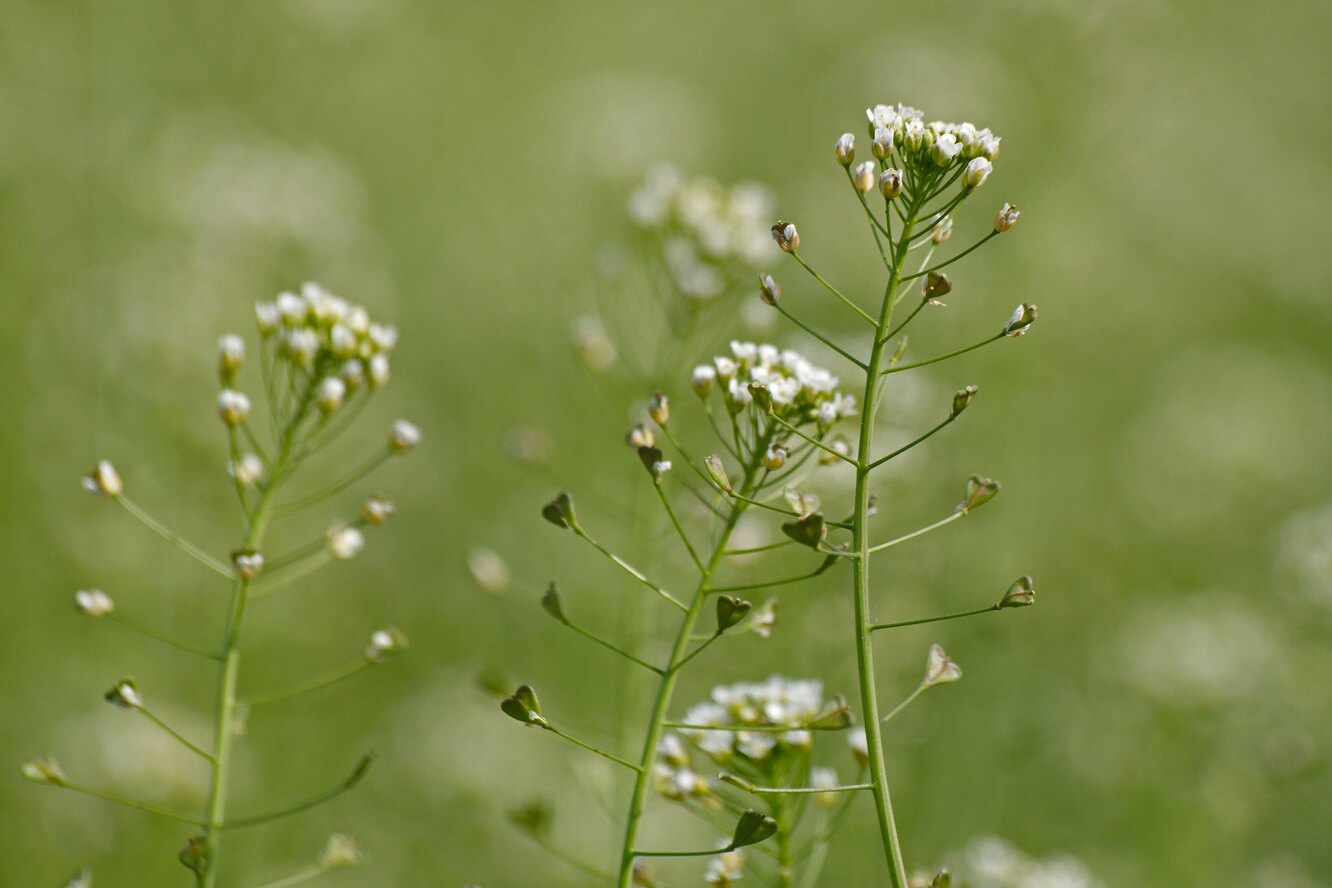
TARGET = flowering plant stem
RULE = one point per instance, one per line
(680, 654)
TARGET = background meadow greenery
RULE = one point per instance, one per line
(1163, 435)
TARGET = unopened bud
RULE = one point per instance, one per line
(125, 695)
(839, 445)
(93, 602)
(890, 183)
(522, 705)
(640, 436)
(379, 370)
(962, 400)
(845, 149)
(883, 143)
(247, 563)
(943, 231)
(939, 668)
(43, 770)
(230, 355)
(762, 396)
(659, 408)
(980, 491)
(248, 470)
(344, 542)
(738, 782)
(826, 779)
(703, 379)
(560, 512)
(341, 850)
(488, 570)
(377, 510)
(1022, 319)
(385, 644)
(786, 236)
(944, 879)
(104, 480)
(864, 177)
(266, 318)
(330, 393)
(769, 290)
(775, 457)
(856, 739)
(718, 472)
(1021, 594)
(977, 171)
(403, 437)
(233, 407)
(1006, 218)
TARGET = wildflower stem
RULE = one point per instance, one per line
(828, 562)
(977, 245)
(554, 850)
(689, 460)
(971, 613)
(611, 646)
(698, 650)
(351, 478)
(817, 443)
(716, 427)
(545, 725)
(960, 513)
(754, 549)
(954, 354)
(876, 227)
(775, 729)
(905, 447)
(794, 790)
(342, 674)
(791, 513)
(908, 319)
(135, 626)
(905, 703)
(629, 568)
(234, 448)
(148, 714)
(348, 783)
(302, 571)
(175, 539)
(675, 522)
(833, 290)
(305, 875)
(709, 853)
(132, 803)
(819, 336)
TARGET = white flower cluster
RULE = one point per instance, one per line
(725, 868)
(705, 227)
(330, 338)
(934, 145)
(772, 703)
(994, 863)
(800, 391)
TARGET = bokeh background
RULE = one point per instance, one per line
(1163, 714)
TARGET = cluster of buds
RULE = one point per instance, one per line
(705, 229)
(899, 130)
(782, 380)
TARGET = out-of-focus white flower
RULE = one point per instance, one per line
(330, 393)
(377, 510)
(248, 470)
(592, 345)
(940, 668)
(246, 564)
(233, 407)
(43, 769)
(379, 370)
(345, 542)
(824, 778)
(671, 750)
(341, 850)
(385, 644)
(230, 354)
(403, 437)
(93, 602)
(125, 695)
(267, 318)
(488, 570)
(725, 868)
(104, 480)
(855, 738)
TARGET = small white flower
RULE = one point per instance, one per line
(341, 850)
(703, 379)
(377, 510)
(125, 695)
(248, 470)
(824, 778)
(865, 177)
(855, 738)
(384, 336)
(266, 318)
(353, 373)
(247, 565)
(292, 308)
(845, 149)
(939, 668)
(488, 570)
(1006, 218)
(978, 170)
(43, 770)
(104, 480)
(384, 644)
(330, 393)
(233, 407)
(342, 341)
(345, 542)
(379, 370)
(93, 602)
(301, 344)
(672, 750)
(230, 353)
(946, 148)
(403, 437)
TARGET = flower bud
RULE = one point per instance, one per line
(702, 379)
(883, 143)
(488, 570)
(769, 291)
(654, 461)
(737, 781)
(93, 602)
(939, 668)
(81, 879)
(230, 355)
(378, 367)
(233, 407)
(1006, 218)
(943, 231)
(979, 492)
(944, 879)
(763, 618)
(977, 171)
(640, 436)
(890, 183)
(330, 393)
(945, 149)
(125, 695)
(103, 480)
(43, 769)
(550, 603)
(248, 470)
(726, 368)
(730, 611)
(403, 437)
(522, 705)
(845, 149)
(659, 408)
(718, 472)
(672, 751)
(1022, 319)
(839, 445)
(856, 739)
(935, 285)
(345, 542)
(962, 400)
(341, 850)
(385, 644)
(762, 395)
(266, 318)
(864, 177)
(786, 236)
(247, 563)
(775, 457)
(823, 778)
(195, 855)
(560, 512)
(377, 510)
(1021, 594)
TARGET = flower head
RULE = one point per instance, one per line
(103, 480)
(345, 542)
(93, 602)
(403, 437)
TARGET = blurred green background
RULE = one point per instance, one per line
(1164, 712)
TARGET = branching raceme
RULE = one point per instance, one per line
(776, 422)
(322, 360)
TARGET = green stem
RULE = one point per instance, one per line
(905, 447)
(952, 354)
(960, 513)
(976, 246)
(819, 336)
(547, 726)
(833, 290)
(327, 795)
(135, 626)
(175, 539)
(817, 443)
(917, 622)
(611, 646)
(352, 477)
(629, 568)
(346, 672)
(675, 522)
(905, 703)
(132, 803)
(304, 875)
(175, 734)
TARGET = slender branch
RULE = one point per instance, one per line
(960, 351)
(347, 784)
(351, 478)
(819, 336)
(783, 582)
(149, 807)
(977, 245)
(675, 522)
(148, 714)
(916, 533)
(559, 853)
(286, 578)
(771, 729)
(817, 443)
(905, 447)
(135, 626)
(629, 569)
(875, 627)
(547, 726)
(905, 703)
(342, 674)
(610, 646)
(305, 875)
(712, 853)
(752, 550)
(791, 513)
(698, 650)
(833, 290)
(740, 783)
(175, 539)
